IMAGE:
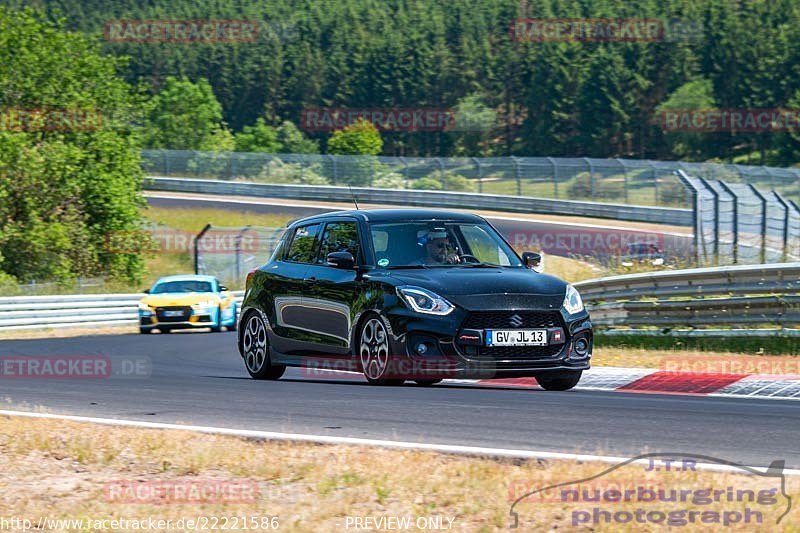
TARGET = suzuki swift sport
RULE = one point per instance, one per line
(410, 294)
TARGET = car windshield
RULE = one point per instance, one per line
(436, 243)
(181, 286)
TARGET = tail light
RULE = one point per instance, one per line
(249, 277)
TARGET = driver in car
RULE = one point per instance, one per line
(438, 248)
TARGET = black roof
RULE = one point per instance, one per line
(396, 215)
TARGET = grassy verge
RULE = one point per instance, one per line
(65, 470)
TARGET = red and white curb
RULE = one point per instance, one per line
(654, 381)
(642, 380)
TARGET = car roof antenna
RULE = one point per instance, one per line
(353, 196)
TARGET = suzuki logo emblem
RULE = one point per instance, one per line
(515, 320)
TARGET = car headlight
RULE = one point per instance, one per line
(145, 309)
(424, 301)
(205, 304)
(572, 301)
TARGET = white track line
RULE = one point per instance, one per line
(326, 439)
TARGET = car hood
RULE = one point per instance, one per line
(178, 299)
(485, 288)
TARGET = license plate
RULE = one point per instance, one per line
(516, 337)
(173, 313)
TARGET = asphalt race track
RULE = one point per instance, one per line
(198, 378)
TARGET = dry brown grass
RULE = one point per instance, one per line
(61, 469)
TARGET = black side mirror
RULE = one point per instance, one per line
(532, 260)
(146, 291)
(343, 260)
(223, 288)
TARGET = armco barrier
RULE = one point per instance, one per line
(83, 310)
(753, 296)
(421, 198)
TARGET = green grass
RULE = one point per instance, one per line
(194, 219)
(770, 345)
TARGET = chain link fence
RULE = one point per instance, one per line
(737, 223)
(230, 253)
(621, 181)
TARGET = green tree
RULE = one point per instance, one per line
(66, 184)
(698, 94)
(260, 137)
(187, 116)
(359, 138)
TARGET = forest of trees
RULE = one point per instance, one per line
(546, 98)
(64, 190)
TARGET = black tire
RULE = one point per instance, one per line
(165, 330)
(373, 351)
(255, 350)
(427, 382)
(559, 382)
(145, 331)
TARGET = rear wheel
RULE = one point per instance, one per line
(562, 381)
(374, 354)
(145, 331)
(255, 350)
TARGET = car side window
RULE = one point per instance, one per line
(304, 244)
(339, 237)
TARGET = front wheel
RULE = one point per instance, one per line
(374, 354)
(255, 349)
(562, 381)
(218, 327)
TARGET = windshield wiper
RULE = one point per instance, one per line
(396, 267)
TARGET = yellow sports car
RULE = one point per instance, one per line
(186, 302)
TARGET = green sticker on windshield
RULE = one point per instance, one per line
(383, 262)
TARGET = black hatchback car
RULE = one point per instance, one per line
(410, 294)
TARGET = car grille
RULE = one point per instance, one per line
(186, 312)
(502, 320)
(527, 320)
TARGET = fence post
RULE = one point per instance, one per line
(735, 221)
(591, 176)
(715, 194)
(335, 175)
(238, 251)
(785, 255)
(624, 178)
(441, 172)
(655, 182)
(517, 175)
(197, 247)
(478, 167)
(405, 169)
(695, 211)
(555, 176)
(763, 222)
(166, 162)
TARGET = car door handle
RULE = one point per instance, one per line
(312, 278)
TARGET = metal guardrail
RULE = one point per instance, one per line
(424, 198)
(755, 296)
(749, 295)
(84, 310)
